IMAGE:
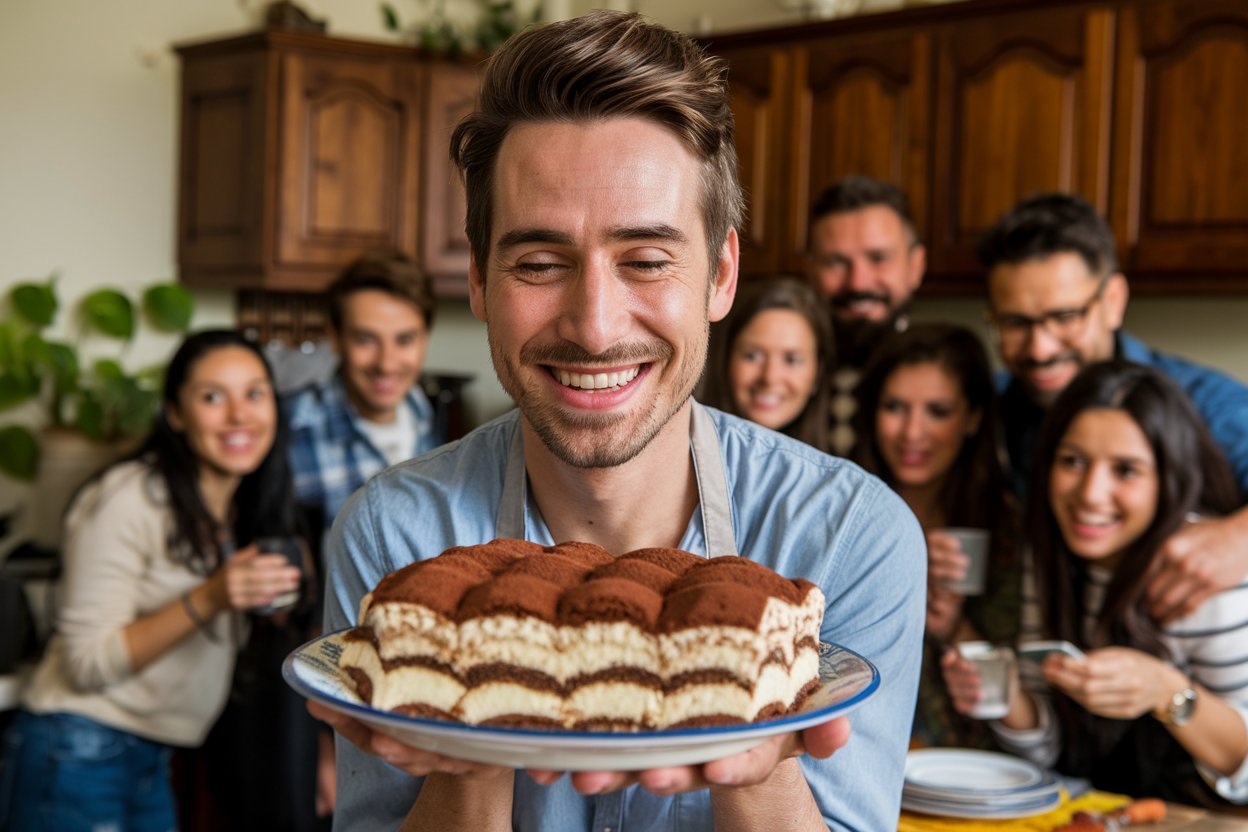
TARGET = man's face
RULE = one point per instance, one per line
(1052, 317)
(598, 295)
(381, 349)
(865, 263)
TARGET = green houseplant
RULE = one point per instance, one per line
(99, 399)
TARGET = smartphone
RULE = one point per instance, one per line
(1035, 651)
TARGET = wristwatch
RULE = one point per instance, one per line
(1179, 708)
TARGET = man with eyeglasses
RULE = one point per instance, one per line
(865, 259)
(1056, 302)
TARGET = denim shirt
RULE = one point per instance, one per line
(1221, 401)
(330, 456)
(794, 509)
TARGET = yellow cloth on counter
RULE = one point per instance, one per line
(1090, 802)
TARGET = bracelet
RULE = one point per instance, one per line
(196, 619)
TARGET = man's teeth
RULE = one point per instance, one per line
(597, 381)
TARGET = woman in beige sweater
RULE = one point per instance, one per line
(158, 558)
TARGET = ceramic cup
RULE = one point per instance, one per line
(974, 543)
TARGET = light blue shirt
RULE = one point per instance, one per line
(798, 511)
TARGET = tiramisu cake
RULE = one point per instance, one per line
(514, 633)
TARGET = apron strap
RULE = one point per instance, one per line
(708, 467)
(713, 501)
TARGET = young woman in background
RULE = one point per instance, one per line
(770, 359)
(1161, 711)
(926, 425)
(157, 557)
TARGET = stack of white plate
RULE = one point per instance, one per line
(959, 783)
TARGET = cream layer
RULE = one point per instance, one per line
(616, 701)
(502, 698)
(563, 653)
(412, 630)
(402, 685)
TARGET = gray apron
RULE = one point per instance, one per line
(708, 469)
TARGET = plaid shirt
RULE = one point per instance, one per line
(330, 456)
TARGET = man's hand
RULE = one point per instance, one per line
(1196, 562)
(745, 769)
(404, 757)
(1114, 682)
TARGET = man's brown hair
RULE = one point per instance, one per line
(388, 272)
(602, 65)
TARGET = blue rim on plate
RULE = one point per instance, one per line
(847, 679)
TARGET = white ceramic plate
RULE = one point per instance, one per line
(992, 809)
(969, 795)
(847, 679)
(967, 771)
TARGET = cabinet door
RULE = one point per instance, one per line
(863, 106)
(757, 94)
(222, 176)
(1023, 105)
(452, 95)
(348, 179)
(1180, 187)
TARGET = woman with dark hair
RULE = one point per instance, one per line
(927, 425)
(158, 558)
(770, 359)
(1151, 709)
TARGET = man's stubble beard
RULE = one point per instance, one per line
(616, 441)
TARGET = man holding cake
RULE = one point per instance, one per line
(602, 213)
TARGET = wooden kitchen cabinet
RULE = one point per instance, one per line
(759, 87)
(863, 105)
(299, 152)
(1180, 200)
(452, 92)
(1022, 106)
(1137, 105)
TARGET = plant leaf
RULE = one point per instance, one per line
(110, 312)
(169, 307)
(90, 416)
(19, 452)
(389, 17)
(16, 389)
(35, 302)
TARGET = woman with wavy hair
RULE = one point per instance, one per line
(159, 558)
(927, 425)
(1153, 708)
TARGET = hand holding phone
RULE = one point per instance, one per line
(1036, 651)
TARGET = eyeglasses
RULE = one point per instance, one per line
(1062, 324)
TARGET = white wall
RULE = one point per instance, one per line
(88, 156)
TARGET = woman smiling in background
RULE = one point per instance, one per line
(926, 425)
(770, 359)
(158, 552)
(1124, 461)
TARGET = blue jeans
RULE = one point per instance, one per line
(67, 773)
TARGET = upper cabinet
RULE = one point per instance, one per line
(444, 245)
(1180, 200)
(863, 105)
(1137, 105)
(758, 94)
(299, 153)
(1023, 105)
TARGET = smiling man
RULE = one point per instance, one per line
(1056, 302)
(866, 260)
(371, 413)
(602, 211)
